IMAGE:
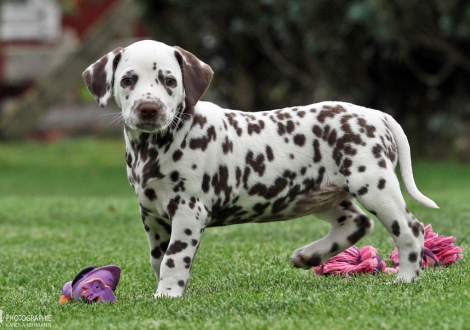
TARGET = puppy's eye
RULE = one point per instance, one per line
(170, 82)
(126, 81)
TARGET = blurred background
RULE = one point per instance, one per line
(409, 58)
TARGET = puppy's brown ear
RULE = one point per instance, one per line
(99, 77)
(197, 75)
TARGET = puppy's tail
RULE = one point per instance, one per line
(404, 158)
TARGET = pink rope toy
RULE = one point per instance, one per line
(438, 251)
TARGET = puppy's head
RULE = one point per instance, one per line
(152, 83)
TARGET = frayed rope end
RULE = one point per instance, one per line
(438, 251)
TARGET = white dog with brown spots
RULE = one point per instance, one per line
(194, 165)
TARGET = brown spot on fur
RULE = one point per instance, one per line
(156, 252)
(174, 176)
(317, 131)
(269, 153)
(369, 129)
(334, 248)
(313, 261)
(316, 151)
(290, 126)
(173, 205)
(342, 219)
(128, 159)
(413, 257)
(199, 120)
(256, 163)
(202, 142)
(176, 247)
(271, 191)
(382, 163)
(205, 183)
(363, 223)
(416, 227)
(377, 150)
(299, 139)
(362, 191)
(329, 112)
(234, 123)
(396, 228)
(150, 193)
(177, 155)
(255, 128)
(381, 184)
(227, 146)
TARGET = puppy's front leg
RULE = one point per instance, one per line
(158, 233)
(188, 222)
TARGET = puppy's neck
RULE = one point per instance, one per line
(159, 140)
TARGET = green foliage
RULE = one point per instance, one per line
(406, 57)
(55, 219)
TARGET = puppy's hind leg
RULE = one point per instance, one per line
(349, 224)
(384, 199)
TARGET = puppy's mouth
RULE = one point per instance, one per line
(147, 127)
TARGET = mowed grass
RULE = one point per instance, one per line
(67, 205)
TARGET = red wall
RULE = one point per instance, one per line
(86, 14)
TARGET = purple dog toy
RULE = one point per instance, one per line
(92, 284)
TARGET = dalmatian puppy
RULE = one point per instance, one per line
(194, 165)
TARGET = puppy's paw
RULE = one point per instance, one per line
(168, 293)
(405, 279)
(302, 260)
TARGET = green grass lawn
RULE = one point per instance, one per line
(67, 205)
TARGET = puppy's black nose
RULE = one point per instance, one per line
(148, 111)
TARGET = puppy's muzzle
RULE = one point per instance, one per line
(151, 116)
(148, 112)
